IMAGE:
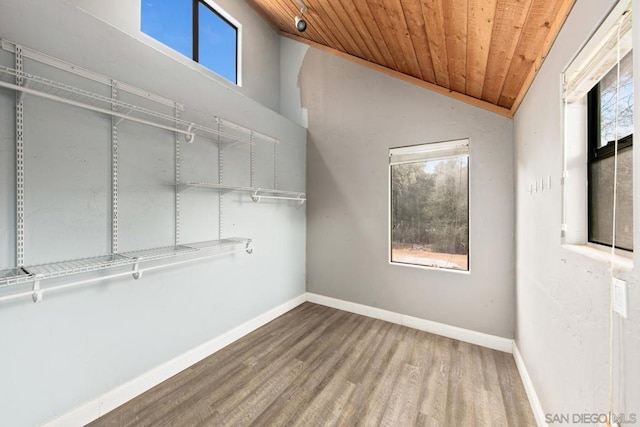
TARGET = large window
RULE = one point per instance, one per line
(196, 30)
(610, 139)
(429, 200)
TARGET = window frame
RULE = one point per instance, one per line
(467, 153)
(596, 154)
(586, 68)
(195, 36)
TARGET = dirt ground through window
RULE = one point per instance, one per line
(424, 257)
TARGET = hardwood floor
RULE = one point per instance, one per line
(320, 366)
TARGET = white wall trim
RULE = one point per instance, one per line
(461, 334)
(99, 406)
(536, 407)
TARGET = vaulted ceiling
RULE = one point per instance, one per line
(485, 52)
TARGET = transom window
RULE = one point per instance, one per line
(429, 201)
(195, 29)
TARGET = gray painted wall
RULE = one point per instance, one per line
(80, 343)
(260, 44)
(292, 55)
(563, 294)
(355, 115)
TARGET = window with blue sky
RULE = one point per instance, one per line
(196, 30)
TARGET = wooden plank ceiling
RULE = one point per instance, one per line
(485, 52)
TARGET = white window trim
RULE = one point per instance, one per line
(596, 58)
(447, 149)
(238, 25)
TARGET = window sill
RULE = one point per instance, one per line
(426, 267)
(196, 66)
(623, 259)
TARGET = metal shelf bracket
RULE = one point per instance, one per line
(25, 84)
(190, 136)
(37, 292)
(136, 272)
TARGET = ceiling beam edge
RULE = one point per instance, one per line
(409, 79)
(554, 31)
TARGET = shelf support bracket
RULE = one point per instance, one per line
(119, 120)
(19, 159)
(252, 160)
(182, 188)
(190, 136)
(220, 178)
(37, 291)
(114, 170)
(179, 188)
(136, 272)
(25, 84)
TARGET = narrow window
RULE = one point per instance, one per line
(610, 132)
(196, 30)
(597, 94)
(429, 201)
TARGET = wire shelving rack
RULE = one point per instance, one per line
(36, 273)
(256, 193)
(142, 107)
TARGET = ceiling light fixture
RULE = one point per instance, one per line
(301, 24)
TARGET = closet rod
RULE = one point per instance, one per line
(256, 198)
(37, 294)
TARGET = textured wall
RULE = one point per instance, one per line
(355, 115)
(80, 343)
(563, 292)
(292, 55)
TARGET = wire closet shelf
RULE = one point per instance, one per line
(20, 275)
(104, 95)
(199, 250)
(257, 194)
(225, 132)
(56, 91)
(66, 94)
(27, 83)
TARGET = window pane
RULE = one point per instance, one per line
(169, 22)
(601, 210)
(625, 102)
(430, 214)
(217, 43)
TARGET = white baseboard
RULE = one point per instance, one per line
(461, 334)
(536, 407)
(99, 406)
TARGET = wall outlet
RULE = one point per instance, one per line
(620, 297)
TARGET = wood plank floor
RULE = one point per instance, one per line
(319, 366)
